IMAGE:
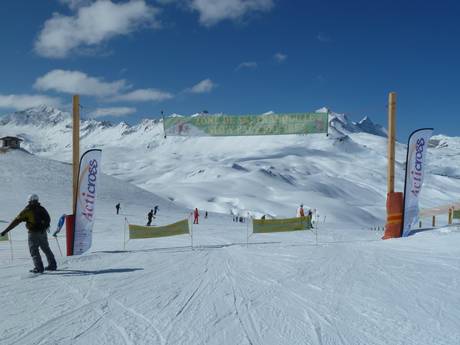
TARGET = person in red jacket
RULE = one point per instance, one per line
(195, 216)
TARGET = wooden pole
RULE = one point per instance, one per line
(164, 126)
(434, 221)
(391, 142)
(75, 148)
(451, 213)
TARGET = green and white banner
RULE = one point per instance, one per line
(260, 226)
(226, 125)
(139, 231)
(456, 214)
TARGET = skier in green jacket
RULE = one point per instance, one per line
(37, 223)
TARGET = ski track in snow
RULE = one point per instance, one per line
(351, 288)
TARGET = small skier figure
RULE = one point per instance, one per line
(150, 217)
(155, 210)
(195, 216)
(60, 224)
(117, 206)
(301, 212)
(206, 215)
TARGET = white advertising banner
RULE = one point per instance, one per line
(88, 180)
(415, 171)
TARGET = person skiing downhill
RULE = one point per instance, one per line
(150, 217)
(195, 216)
(155, 210)
(117, 206)
(37, 221)
(59, 225)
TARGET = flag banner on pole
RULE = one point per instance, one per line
(140, 231)
(4, 238)
(260, 226)
(227, 125)
(88, 179)
(415, 171)
(456, 214)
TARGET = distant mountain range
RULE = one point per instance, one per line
(261, 175)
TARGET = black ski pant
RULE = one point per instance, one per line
(40, 240)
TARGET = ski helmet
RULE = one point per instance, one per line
(32, 197)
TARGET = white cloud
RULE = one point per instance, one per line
(280, 57)
(76, 82)
(115, 111)
(74, 4)
(248, 64)
(20, 102)
(144, 95)
(92, 25)
(213, 11)
(204, 86)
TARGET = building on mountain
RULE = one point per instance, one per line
(10, 143)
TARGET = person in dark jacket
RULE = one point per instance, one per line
(117, 206)
(37, 221)
(155, 210)
(150, 217)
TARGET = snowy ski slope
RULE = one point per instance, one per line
(351, 288)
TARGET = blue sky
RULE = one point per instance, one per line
(131, 59)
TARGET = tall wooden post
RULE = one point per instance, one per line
(451, 214)
(75, 148)
(391, 142)
(393, 226)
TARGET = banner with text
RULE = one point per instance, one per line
(260, 226)
(226, 125)
(88, 180)
(456, 214)
(139, 231)
(415, 171)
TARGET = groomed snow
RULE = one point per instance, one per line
(351, 288)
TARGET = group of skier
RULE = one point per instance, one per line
(301, 212)
(196, 215)
(153, 212)
(38, 220)
(150, 215)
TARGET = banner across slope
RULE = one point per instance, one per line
(139, 231)
(226, 125)
(260, 226)
(415, 171)
(88, 179)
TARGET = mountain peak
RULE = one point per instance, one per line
(37, 116)
(344, 126)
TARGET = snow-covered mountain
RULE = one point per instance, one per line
(260, 175)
